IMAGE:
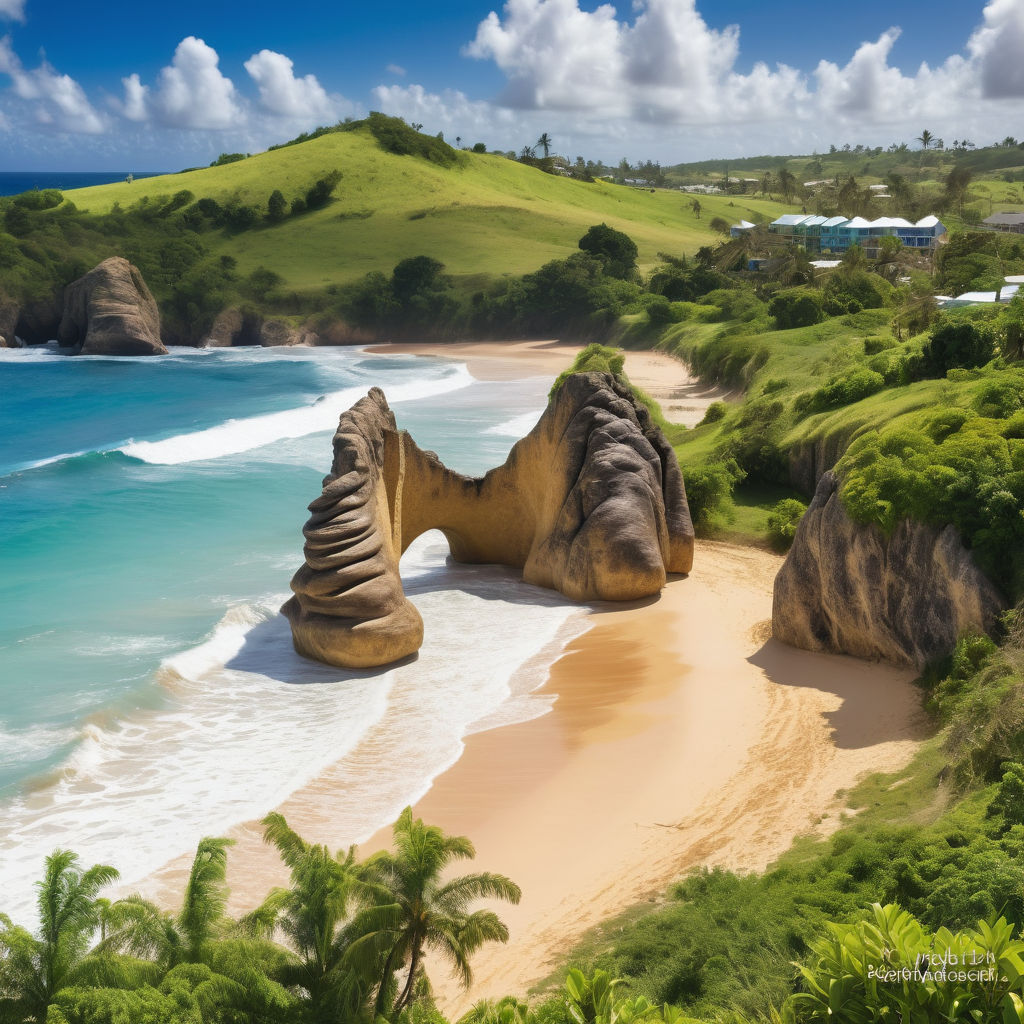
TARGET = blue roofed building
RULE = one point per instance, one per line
(836, 234)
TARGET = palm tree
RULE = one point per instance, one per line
(33, 968)
(200, 945)
(925, 138)
(426, 912)
(787, 182)
(544, 142)
(696, 207)
(316, 916)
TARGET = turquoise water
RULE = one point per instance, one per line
(150, 516)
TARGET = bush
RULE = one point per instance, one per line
(957, 343)
(393, 135)
(999, 399)
(783, 520)
(594, 358)
(321, 191)
(709, 493)
(796, 307)
(277, 207)
(842, 390)
(714, 412)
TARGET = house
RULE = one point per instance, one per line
(836, 234)
(740, 229)
(1006, 222)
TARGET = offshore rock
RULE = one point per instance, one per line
(110, 312)
(590, 503)
(904, 599)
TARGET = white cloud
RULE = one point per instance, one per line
(395, 69)
(135, 99)
(13, 9)
(283, 94)
(667, 67)
(56, 101)
(191, 92)
(998, 46)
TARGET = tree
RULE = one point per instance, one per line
(34, 968)
(316, 915)
(427, 913)
(696, 207)
(956, 185)
(766, 184)
(787, 183)
(616, 251)
(957, 343)
(925, 138)
(544, 142)
(277, 207)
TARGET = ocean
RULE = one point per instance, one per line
(150, 513)
(13, 183)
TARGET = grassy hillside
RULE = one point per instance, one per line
(486, 215)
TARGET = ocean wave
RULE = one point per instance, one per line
(518, 426)
(246, 722)
(26, 746)
(237, 436)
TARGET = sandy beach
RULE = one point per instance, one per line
(681, 735)
(683, 398)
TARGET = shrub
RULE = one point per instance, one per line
(321, 191)
(796, 307)
(842, 390)
(709, 492)
(714, 412)
(999, 399)
(595, 358)
(783, 520)
(957, 343)
(277, 207)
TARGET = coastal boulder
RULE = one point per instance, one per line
(278, 332)
(849, 589)
(8, 321)
(590, 503)
(110, 312)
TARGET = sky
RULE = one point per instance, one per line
(139, 86)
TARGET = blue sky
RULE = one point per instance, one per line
(140, 86)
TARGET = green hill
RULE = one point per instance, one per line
(486, 215)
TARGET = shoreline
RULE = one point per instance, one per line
(680, 735)
(683, 398)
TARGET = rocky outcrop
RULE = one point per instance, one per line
(39, 321)
(904, 599)
(110, 312)
(590, 503)
(235, 327)
(8, 322)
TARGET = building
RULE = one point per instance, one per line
(1006, 222)
(819, 234)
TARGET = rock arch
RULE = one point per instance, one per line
(590, 503)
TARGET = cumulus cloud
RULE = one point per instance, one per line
(135, 99)
(284, 95)
(56, 101)
(997, 46)
(191, 92)
(668, 66)
(13, 9)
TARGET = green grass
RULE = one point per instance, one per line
(487, 215)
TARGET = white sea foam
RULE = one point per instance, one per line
(246, 722)
(518, 426)
(18, 746)
(243, 435)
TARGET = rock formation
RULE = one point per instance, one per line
(591, 503)
(235, 328)
(905, 599)
(8, 321)
(110, 312)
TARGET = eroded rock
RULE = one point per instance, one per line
(590, 503)
(904, 599)
(110, 312)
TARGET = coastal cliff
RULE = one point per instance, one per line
(904, 599)
(590, 503)
(111, 312)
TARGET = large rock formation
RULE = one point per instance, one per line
(591, 503)
(110, 312)
(905, 599)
